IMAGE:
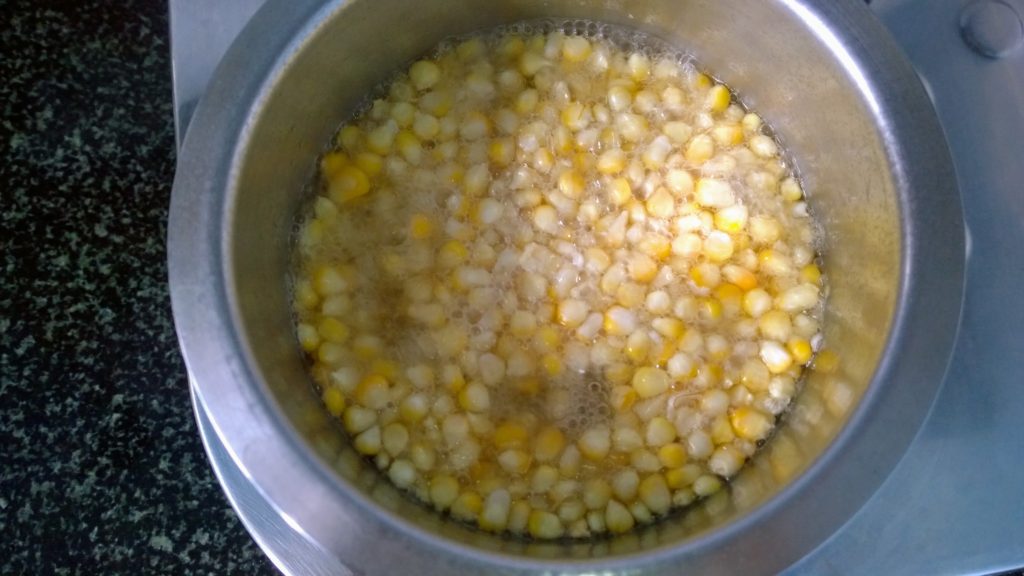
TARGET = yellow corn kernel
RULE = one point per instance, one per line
(617, 518)
(548, 444)
(544, 525)
(706, 275)
(654, 493)
(348, 184)
(731, 219)
(721, 431)
(595, 443)
(810, 274)
(334, 401)
(659, 432)
(546, 339)
(611, 162)
(642, 268)
(424, 74)
(526, 101)
(510, 435)
(622, 398)
(700, 149)
(368, 442)
(672, 455)
(702, 82)
(649, 381)
(475, 398)
(381, 139)
(373, 392)
(350, 137)
(717, 99)
(679, 478)
(328, 280)
(775, 357)
(745, 279)
(710, 309)
(826, 361)
(575, 116)
(408, 145)
(414, 407)
(371, 164)
(571, 183)
(552, 364)
(467, 506)
(309, 337)
(444, 489)
(661, 204)
(515, 462)
(671, 328)
(800, 349)
(332, 330)
(638, 345)
(502, 151)
(306, 295)
(727, 134)
(620, 192)
(730, 296)
(420, 226)
(576, 49)
(452, 254)
(332, 163)
(750, 423)
(656, 246)
(790, 189)
(452, 378)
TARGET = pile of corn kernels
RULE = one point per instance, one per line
(555, 287)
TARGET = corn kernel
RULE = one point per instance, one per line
(373, 392)
(611, 162)
(810, 274)
(618, 518)
(717, 99)
(654, 494)
(444, 489)
(348, 184)
(424, 74)
(649, 381)
(672, 455)
(514, 462)
(334, 401)
(548, 444)
(790, 190)
(576, 49)
(543, 524)
(750, 423)
(594, 443)
(826, 361)
(467, 506)
(800, 349)
(775, 357)
(620, 192)
(642, 268)
(714, 193)
(475, 398)
(368, 442)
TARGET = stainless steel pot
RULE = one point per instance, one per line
(842, 98)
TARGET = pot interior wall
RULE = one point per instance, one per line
(776, 62)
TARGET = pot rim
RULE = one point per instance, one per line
(263, 443)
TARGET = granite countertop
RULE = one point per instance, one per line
(103, 471)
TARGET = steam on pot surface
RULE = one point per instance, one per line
(556, 281)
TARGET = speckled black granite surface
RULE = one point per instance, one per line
(101, 468)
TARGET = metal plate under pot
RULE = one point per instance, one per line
(955, 503)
